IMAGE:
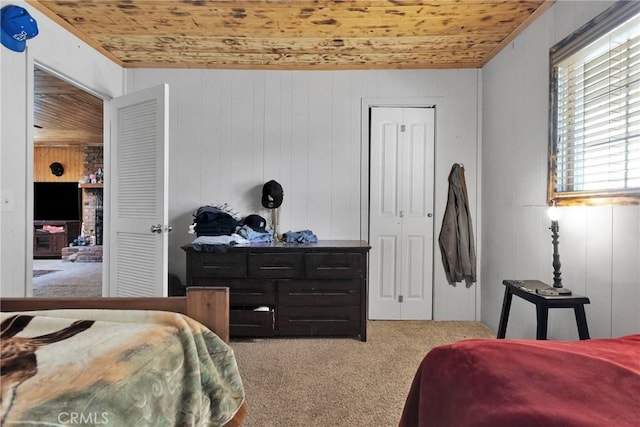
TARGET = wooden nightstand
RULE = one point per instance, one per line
(526, 289)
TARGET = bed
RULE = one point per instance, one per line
(120, 361)
(527, 383)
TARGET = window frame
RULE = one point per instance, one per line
(602, 24)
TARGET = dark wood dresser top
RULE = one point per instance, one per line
(322, 245)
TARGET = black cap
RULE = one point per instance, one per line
(272, 194)
(256, 223)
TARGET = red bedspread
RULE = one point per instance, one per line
(528, 383)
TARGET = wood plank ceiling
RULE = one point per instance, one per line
(268, 34)
(303, 34)
(64, 115)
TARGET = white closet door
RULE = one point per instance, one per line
(384, 210)
(401, 206)
(416, 285)
(138, 254)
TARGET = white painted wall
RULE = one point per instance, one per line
(231, 131)
(599, 246)
(58, 50)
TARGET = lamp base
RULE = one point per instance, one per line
(274, 223)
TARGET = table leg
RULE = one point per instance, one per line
(542, 314)
(504, 315)
(581, 321)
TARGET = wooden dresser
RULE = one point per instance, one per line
(48, 244)
(284, 289)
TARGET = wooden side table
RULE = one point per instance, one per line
(526, 289)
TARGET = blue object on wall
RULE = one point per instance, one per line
(17, 27)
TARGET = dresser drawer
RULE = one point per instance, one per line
(276, 265)
(252, 292)
(318, 320)
(207, 264)
(333, 265)
(250, 323)
(319, 292)
(247, 292)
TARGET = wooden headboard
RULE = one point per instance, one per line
(207, 305)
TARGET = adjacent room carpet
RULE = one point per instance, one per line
(67, 279)
(38, 273)
(340, 381)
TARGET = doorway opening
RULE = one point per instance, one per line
(68, 180)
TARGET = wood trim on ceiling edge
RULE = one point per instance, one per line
(315, 67)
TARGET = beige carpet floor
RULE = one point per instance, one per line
(68, 279)
(320, 382)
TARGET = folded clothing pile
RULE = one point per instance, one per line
(304, 236)
(212, 221)
(217, 243)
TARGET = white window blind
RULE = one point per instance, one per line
(596, 127)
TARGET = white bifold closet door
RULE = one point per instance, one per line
(402, 143)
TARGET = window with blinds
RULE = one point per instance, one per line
(595, 106)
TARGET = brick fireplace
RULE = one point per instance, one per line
(92, 194)
(82, 253)
(92, 198)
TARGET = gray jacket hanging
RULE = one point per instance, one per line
(456, 236)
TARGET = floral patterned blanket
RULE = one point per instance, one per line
(115, 368)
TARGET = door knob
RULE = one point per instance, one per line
(156, 228)
(168, 229)
(429, 215)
